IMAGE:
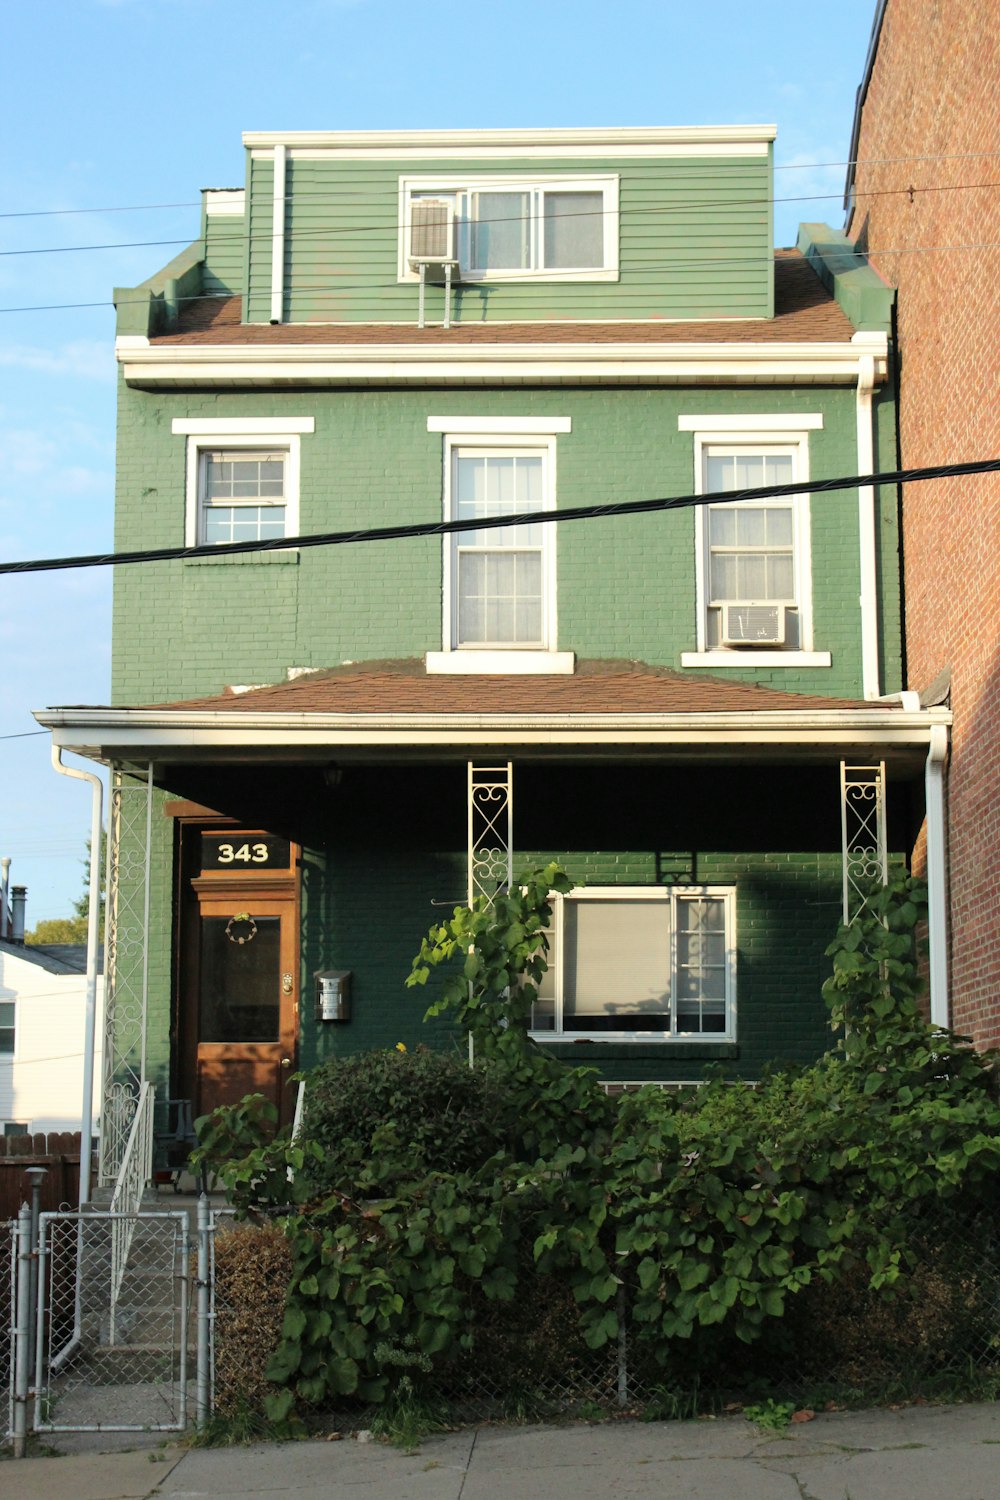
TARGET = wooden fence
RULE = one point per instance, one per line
(59, 1154)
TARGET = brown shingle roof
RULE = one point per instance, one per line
(804, 312)
(596, 687)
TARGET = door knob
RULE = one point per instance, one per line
(286, 1062)
(286, 984)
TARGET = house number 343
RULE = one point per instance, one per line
(246, 854)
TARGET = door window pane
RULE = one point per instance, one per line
(240, 992)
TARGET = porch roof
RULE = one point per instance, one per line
(397, 707)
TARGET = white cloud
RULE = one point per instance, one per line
(87, 359)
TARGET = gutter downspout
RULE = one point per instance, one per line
(93, 934)
(937, 912)
(866, 529)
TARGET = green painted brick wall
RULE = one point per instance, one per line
(626, 586)
(694, 242)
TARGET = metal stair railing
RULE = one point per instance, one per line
(134, 1177)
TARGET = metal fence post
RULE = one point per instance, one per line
(22, 1331)
(622, 1347)
(203, 1358)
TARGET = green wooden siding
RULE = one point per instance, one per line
(695, 242)
(225, 253)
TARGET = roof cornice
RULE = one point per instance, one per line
(151, 365)
(185, 734)
(621, 137)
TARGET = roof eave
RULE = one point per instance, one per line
(152, 366)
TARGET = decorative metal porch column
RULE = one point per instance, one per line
(126, 962)
(863, 835)
(491, 830)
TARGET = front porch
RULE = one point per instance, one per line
(719, 844)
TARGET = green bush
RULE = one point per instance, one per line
(382, 1117)
(433, 1198)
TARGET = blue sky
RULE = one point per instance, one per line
(110, 104)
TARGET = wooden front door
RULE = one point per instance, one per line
(240, 980)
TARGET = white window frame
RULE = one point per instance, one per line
(10, 1056)
(785, 432)
(528, 435)
(671, 896)
(462, 185)
(252, 435)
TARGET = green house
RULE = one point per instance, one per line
(318, 748)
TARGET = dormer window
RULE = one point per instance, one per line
(561, 229)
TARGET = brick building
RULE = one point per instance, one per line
(923, 201)
(697, 709)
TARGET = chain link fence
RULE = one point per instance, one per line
(938, 1328)
(156, 1354)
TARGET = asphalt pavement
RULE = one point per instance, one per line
(917, 1453)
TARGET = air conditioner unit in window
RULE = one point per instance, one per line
(751, 624)
(432, 232)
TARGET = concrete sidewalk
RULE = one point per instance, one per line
(920, 1453)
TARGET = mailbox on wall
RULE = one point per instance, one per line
(333, 995)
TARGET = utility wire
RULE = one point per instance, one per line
(24, 735)
(390, 231)
(495, 523)
(792, 166)
(338, 286)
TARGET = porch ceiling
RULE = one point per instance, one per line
(383, 711)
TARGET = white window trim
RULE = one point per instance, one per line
(755, 431)
(513, 433)
(252, 434)
(451, 182)
(670, 894)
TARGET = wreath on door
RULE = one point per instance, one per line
(241, 919)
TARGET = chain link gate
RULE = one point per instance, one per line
(112, 1358)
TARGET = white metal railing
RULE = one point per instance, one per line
(133, 1178)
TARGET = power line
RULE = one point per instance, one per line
(496, 523)
(25, 735)
(694, 263)
(793, 166)
(390, 231)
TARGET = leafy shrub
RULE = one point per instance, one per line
(432, 1197)
(379, 1117)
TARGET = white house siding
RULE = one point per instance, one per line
(41, 1085)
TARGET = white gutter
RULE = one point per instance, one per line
(119, 733)
(93, 938)
(618, 136)
(151, 364)
(866, 530)
(278, 238)
(937, 909)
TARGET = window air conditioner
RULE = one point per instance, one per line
(432, 231)
(751, 624)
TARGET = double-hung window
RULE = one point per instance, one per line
(511, 228)
(640, 963)
(242, 478)
(499, 585)
(8, 1013)
(752, 561)
(499, 594)
(242, 495)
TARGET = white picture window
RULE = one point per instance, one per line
(504, 228)
(640, 963)
(242, 480)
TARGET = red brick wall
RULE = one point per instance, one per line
(935, 93)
